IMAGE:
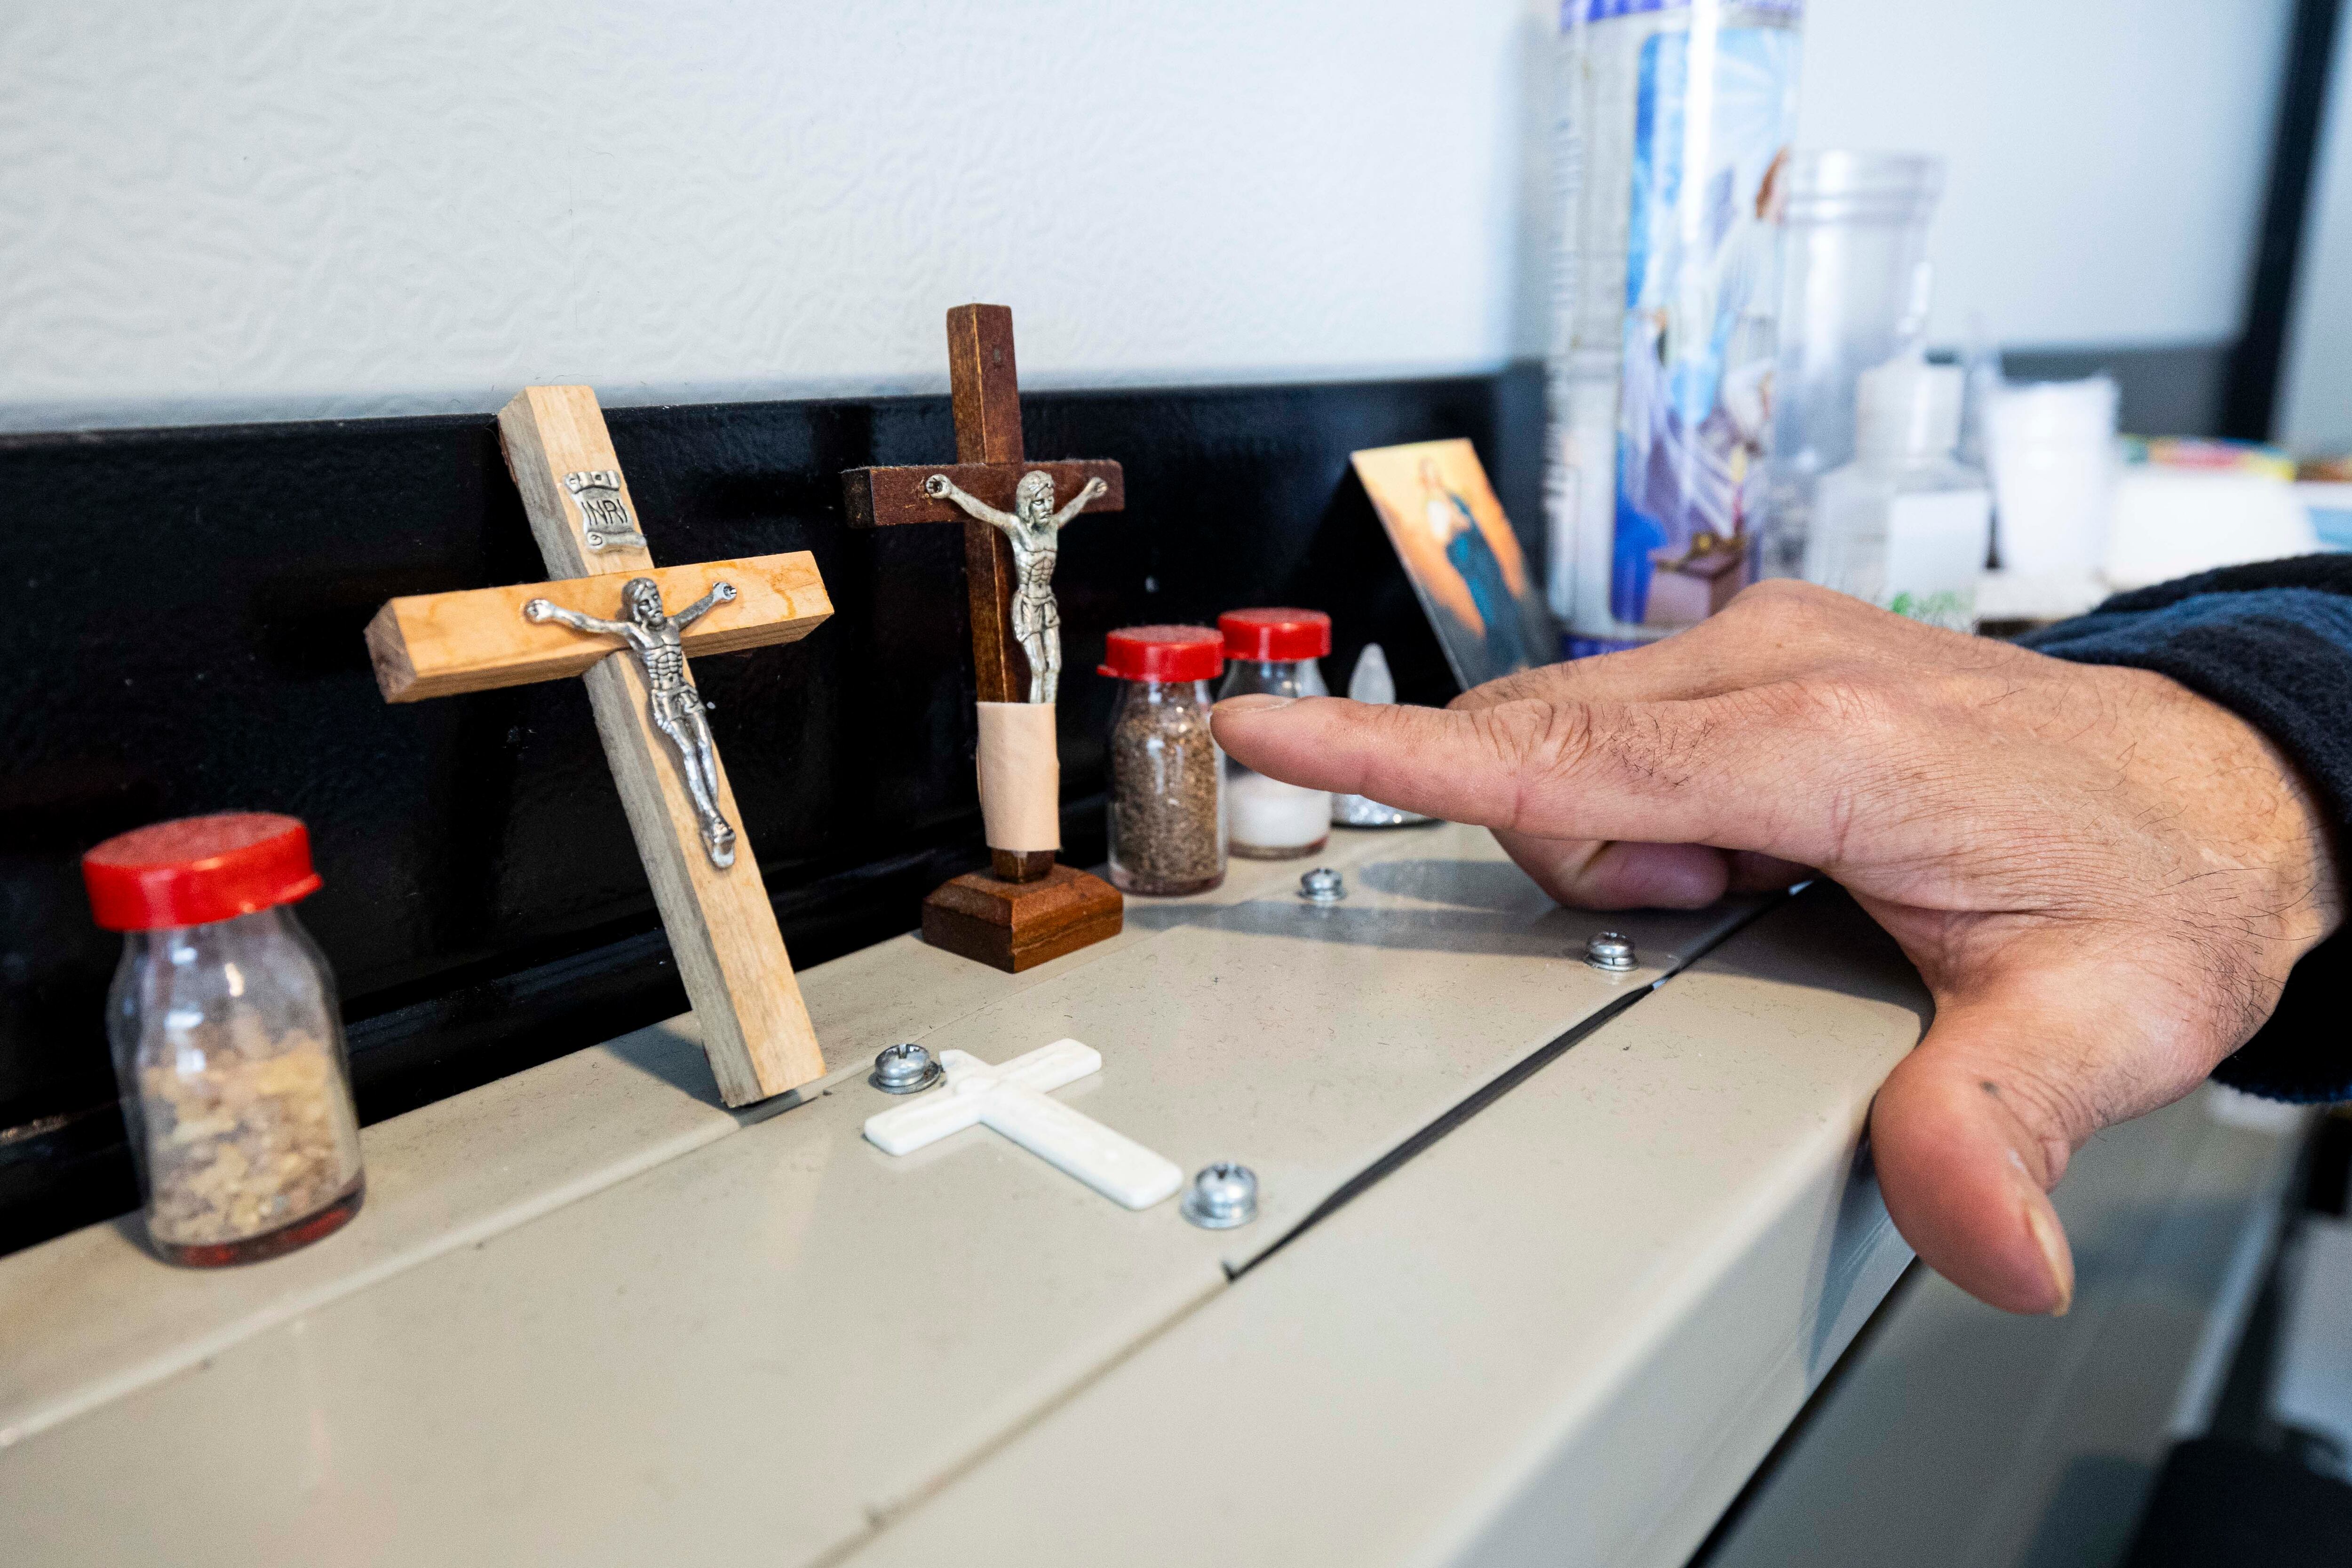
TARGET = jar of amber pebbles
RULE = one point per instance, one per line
(228, 1039)
(1167, 797)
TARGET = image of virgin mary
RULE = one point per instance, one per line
(1455, 529)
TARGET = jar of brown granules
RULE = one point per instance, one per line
(228, 1039)
(1167, 801)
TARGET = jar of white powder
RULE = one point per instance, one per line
(1274, 652)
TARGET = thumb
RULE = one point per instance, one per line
(1967, 1144)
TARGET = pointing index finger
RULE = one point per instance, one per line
(1671, 772)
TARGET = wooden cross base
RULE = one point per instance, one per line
(1017, 925)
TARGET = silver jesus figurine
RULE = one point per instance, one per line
(675, 708)
(1036, 529)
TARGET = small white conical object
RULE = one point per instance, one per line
(1372, 683)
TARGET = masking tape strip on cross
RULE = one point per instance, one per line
(1019, 777)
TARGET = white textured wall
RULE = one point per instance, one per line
(266, 209)
(2107, 157)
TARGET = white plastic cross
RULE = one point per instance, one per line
(1012, 1098)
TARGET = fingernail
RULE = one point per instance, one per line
(2043, 1224)
(1256, 702)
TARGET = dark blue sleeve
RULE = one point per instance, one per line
(2272, 643)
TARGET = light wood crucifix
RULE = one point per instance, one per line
(626, 626)
(1027, 908)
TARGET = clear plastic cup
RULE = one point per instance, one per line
(1854, 233)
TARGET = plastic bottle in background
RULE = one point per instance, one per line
(1906, 524)
(2051, 449)
(1854, 247)
(1981, 361)
(1671, 148)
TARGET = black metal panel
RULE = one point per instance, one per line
(196, 601)
(2173, 390)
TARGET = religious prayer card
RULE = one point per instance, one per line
(1458, 548)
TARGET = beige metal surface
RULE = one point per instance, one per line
(1566, 1332)
(91, 1315)
(552, 1369)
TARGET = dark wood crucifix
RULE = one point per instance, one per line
(1027, 908)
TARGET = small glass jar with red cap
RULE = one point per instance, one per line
(228, 1039)
(1274, 650)
(1167, 802)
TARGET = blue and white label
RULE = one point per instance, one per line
(1714, 112)
(1603, 10)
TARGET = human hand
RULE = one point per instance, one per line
(2103, 877)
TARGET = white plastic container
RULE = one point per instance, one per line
(2051, 449)
(2173, 522)
(1906, 524)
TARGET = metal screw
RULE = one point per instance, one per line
(1610, 950)
(903, 1069)
(1222, 1196)
(1322, 885)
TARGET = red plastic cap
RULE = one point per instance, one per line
(1275, 634)
(198, 870)
(1164, 654)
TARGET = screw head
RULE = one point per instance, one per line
(906, 1069)
(1610, 950)
(1222, 1196)
(1322, 885)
